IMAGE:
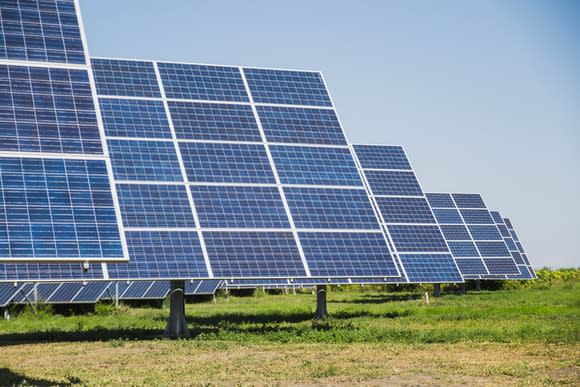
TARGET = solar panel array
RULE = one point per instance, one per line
(55, 194)
(214, 184)
(514, 245)
(472, 236)
(407, 218)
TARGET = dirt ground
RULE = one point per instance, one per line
(159, 362)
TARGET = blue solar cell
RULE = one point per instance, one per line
(455, 232)
(503, 231)
(471, 266)
(493, 249)
(463, 249)
(382, 157)
(158, 290)
(440, 200)
(468, 201)
(144, 160)
(66, 292)
(47, 110)
(161, 254)
(501, 266)
(145, 205)
(496, 217)
(484, 233)
(513, 235)
(393, 183)
(301, 125)
(202, 82)
(253, 254)
(134, 118)
(517, 258)
(44, 291)
(125, 78)
(508, 223)
(7, 292)
(447, 216)
(405, 210)
(412, 238)
(287, 87)
(136, 290)
(43, 31)
(211, 121)
(347, 254)
(54, 272)
(54, 208)
(226, 163)
(520, 247)
(476, 216)
(321, 208)
(207, 287)
(91, 292)
(239, 207)
(524, 273)
(315, 166)
(526, 260)
(430, 268)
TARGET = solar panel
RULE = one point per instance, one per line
(524, 266)
(201, 287)
(408, 220)
(7, 292)
(472, 235)
(58, 203)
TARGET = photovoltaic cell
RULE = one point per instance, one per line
(144, 160)
(393, 183)
(501, 266)
(287, 87)
(468, 200)
(447, 216)
(327, 208)
(342, 254)
(456, 232)
(125, 78)
(239, 207)
(301, 125)
(253, 254)
(493, 249)
(476, 216)
(483, 233)
(47, 110)
(56, 209)
(134, 118)
(315, 166)
(464, 250)
(430, 268)
(405, 210)
(473, 267)
(146, 205)
(161, 254)
(202, 82)
(413, 238)
(43, 31)
(214, 122)
(440, 200)
(226, 163)
(382, 157)
(48, 272)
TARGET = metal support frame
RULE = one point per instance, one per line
(321, 311)
(478, 285)
(176, 324)
(436, 290)
(463, 288)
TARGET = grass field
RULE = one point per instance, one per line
(525, 336)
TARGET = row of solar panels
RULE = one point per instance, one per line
(91, 292)
(202, 171)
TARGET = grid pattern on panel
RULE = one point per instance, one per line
(484, 233)
(253, 254)
(463, 249)
(405, 210)
(440, 200)
(158, 290)
(526, 272)
(47, 110)
(65, 292)
(214, 122)
(492, 249)
(473, 216)
(455, 232)
(161, 254)
(54, 272)
(125, 78)
(287, 87)
(471, 267)
(239, 207)
(137, 290)
(430, 268)
(7, 292)
(54, 208)
(447, 216)
(328, 208)
(393, 183)
(347, 254)
(91, 292)
(468, 200)
(145, 205)
(501, 266)
(134, 118)
(43, 31)
(202, 82)
(414, 238)
(382, 157)
(144, 160)
(301, 125)
(315, 166)
(226, 163)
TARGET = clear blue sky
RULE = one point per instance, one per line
(484, 95)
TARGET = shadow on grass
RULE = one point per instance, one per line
(378, 298)
(10, 378)
(236, 323)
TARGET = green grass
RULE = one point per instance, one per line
(508, 316)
